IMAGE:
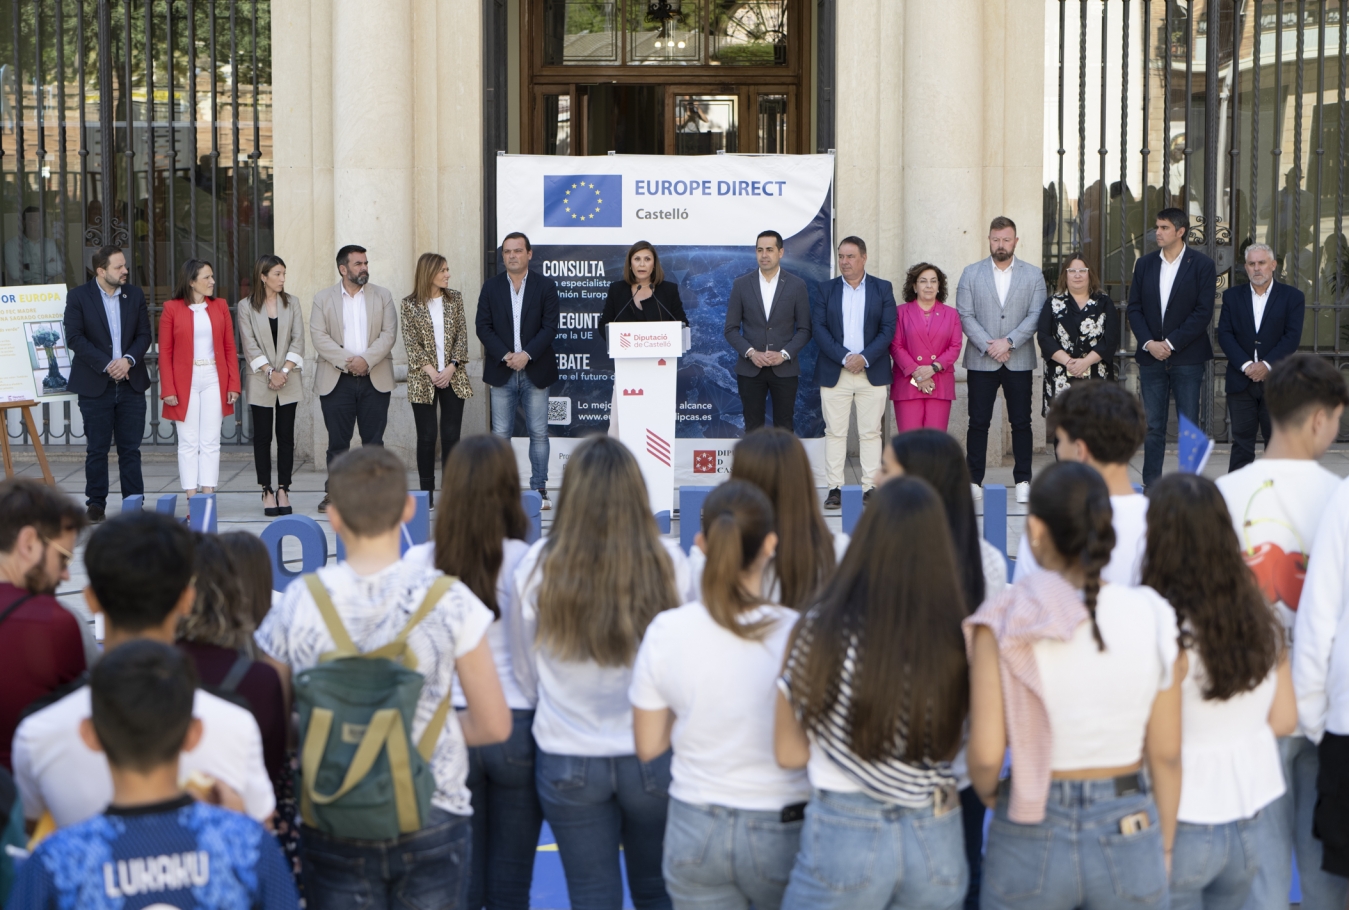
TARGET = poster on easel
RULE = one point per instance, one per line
(34, 356)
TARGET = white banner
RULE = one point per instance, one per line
(34, 359)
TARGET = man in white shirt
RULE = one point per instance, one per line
(1279, 510)
(140, 579)
(1102, 424)
(354, 325)
(1259, 325)
(853, 329)
(31, 258)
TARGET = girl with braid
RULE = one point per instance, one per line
(1082, 679)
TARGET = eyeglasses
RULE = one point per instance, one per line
(66, 555)
(1076, 271)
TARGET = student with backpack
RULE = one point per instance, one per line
(591, 588)
(704, 681)
(1236, 696)
(375, 644)
(1083, 680)
(154, 846)
(872, 703)
(480, 538)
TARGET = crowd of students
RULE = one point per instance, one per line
(782, 718)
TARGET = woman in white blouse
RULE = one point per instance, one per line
(1236, 697)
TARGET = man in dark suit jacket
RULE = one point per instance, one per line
(1170, 309)
(1260, 324)
(516, 323)
(108, 333)
(768, 323)
(853, 329)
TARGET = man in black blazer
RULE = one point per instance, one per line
(108, 333)
(1170, 308)
(768, 323)
(1260, 324)
(516, 323)
(853, 328)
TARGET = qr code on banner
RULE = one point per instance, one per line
(559, 412)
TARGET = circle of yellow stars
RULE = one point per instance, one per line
(567, 201)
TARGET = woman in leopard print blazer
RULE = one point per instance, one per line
(436, 336)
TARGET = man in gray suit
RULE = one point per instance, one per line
(999, 301)
(768, 323)
(353, 324)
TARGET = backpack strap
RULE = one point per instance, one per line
(345, 646)
(236, 673)
(385, 731)
(14, 606)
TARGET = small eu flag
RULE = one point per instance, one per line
(583, 200)
(1193, 447)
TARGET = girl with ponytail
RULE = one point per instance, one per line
(1082, 678)
(704, 681)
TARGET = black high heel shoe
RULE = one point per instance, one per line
(280, 509)
(269, 511)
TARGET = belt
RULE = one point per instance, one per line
(1125, 784)
(203, 363)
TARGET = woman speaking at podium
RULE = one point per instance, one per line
(643, 295)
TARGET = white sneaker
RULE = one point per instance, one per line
(1023, 491)
(977, 492)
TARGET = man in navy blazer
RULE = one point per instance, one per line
(1170, 308)
(108, 333)
(853, 328)
(1260, 324)
(516, 323)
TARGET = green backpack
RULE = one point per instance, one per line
(361, 776)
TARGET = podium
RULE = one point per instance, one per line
(646, 356)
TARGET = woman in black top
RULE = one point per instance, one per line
(630, 300)
(1078, 331)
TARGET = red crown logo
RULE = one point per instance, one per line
(634, 391)
(704, 461)
(624, 340)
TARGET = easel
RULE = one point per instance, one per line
(27, 408)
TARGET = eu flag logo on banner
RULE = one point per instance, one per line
(583, 200)
(1193, 447)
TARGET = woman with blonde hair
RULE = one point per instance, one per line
(435, 335)
(590, 589)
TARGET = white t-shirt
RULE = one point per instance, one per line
(1099, 702)
(56, 772)
(1130, 521)
(722, 690)
(499, 632)
(772, 585)
(583, 707)
(374, 608)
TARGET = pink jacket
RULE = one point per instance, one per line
(919, 343)
(1040, 606)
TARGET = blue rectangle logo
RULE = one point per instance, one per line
(583, 200)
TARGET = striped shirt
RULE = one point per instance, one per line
(890, 780)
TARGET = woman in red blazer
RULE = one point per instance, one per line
(198, 373)
(926, 345)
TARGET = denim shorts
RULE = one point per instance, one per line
(1078, 855)
(859, 853)
(717, 858)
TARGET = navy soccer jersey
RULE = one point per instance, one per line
(180, 855)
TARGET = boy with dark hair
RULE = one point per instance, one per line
(140, 579)
(155, 846)
(377, 602)
(1278, 504)
(1102, 424)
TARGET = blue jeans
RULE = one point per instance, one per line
(1077, 856)
(119, 413)
(859, 853)
(726, 859)
(1212, 865)
(506, 819)
(596, 806)
(1285, 825)
(425, 869)
(519, 391)
(1158, 382)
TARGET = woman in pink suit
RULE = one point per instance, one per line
(926, 345)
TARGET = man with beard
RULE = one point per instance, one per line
(354, 325)
(999, 301)
(41, 648)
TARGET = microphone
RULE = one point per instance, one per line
(632, 298)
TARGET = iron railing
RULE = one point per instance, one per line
(142, 124)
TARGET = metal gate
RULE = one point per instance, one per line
(143, 124)
(1233, 110)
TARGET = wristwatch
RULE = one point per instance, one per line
(285, 370)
